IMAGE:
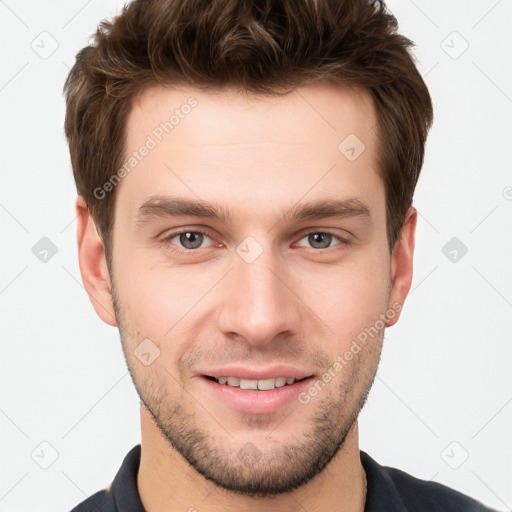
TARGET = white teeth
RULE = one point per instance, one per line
(248, 384)
(262, 384)
(266, 384)
(280, 382)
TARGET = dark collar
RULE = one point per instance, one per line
(381, 493)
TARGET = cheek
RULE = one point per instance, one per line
(159, 300)
(348, 298)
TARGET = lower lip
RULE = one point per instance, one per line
(257, 402)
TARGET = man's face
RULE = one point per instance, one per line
(259, 294)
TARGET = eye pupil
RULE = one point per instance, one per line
(321, 238)
(190, 239)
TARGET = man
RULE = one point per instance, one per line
(245, 173)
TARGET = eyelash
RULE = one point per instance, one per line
(166, 240)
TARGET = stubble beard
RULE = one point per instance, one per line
(248, 468)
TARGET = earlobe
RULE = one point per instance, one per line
(402, 264)
(93, 264)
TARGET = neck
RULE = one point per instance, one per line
(167, 483)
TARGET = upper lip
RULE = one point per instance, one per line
(243, 372)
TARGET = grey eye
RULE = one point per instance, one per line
(319, 239)
(191, 239)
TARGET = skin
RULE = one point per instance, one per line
(296, 303)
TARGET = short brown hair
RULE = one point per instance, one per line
(260, 46)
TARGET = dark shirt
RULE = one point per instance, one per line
(388, 489)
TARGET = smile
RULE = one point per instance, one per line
(254, 396)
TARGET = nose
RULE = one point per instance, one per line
(259, 303)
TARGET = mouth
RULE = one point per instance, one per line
(255, 395)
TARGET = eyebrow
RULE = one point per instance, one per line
(165, 207)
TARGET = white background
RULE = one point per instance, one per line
(443, 390)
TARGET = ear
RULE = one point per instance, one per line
(402, 264)
(93, 264)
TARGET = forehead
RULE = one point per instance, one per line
(242, 149)
(249, 118)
